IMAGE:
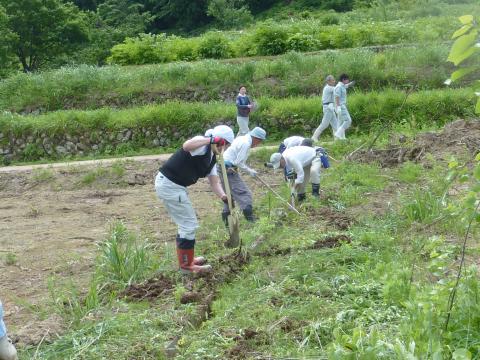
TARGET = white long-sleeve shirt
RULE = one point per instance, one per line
(238, 152)
(293, 141)
(297, 158)
(328, 94)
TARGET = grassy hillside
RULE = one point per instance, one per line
(288, 75)
(364, 272)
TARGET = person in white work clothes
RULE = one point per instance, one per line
(7, 350)
(305, 164)
(343, 116)
(235, 159)
(328, 103)
(196, 159)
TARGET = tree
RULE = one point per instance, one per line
(43, 30)
(229, 13)
(6, 38)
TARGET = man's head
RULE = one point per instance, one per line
(258, 135)
(223, 131)
(330, 79)
(344, 79)
(277, 160)
(242, 90)
(307, 142)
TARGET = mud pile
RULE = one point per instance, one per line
(457, 138)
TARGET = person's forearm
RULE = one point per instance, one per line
(337, 101)
(193, 144)
(216, 186)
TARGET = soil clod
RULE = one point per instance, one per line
(149, 290)
(331, 241)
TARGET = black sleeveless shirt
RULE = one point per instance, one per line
(184, 169)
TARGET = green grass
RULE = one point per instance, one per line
(172, 122)
(294, 74)
(381, 295)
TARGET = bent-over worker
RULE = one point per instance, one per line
(235, 159)
(196, 159)
(305, 164)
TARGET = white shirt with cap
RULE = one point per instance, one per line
(297, 158)
(237, 153)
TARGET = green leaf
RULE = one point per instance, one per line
(463, 48)
(461, 354)
(458, 74)
(463, 30)
(477, 158)
(466, 19)
(477, 108)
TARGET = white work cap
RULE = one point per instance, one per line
(223, 131)
(259, 133)
(275, 160)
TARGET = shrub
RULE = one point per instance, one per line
(271, 40)
(330, 18)
(215, 46)
(302, 42)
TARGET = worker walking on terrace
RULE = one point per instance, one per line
(344, 119)
(328, 103)
(304, 163)
(235, 158)
(7, 350)
(196, 159)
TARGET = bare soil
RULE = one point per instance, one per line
(51, 220)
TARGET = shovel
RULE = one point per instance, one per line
(233, 222)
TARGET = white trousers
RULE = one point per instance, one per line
(179, 207)
(242, 122)
(311, 172)
(344, 122)
(329, 118)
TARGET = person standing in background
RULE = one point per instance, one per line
(244, 105)
(328, 103)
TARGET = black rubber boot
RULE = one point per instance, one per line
(225, 217)
(301, 197)
(248, 213)
(316, 190)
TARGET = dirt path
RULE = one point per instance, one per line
(51, 218)
(99, 162)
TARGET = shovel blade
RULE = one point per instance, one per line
(234, 232)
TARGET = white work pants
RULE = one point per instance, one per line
(242, 122)
(329, 118)
(179, 206)
(311, 172)
(344, 122)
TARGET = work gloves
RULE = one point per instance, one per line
(290, 174)
(251, 172)
(217, 140)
